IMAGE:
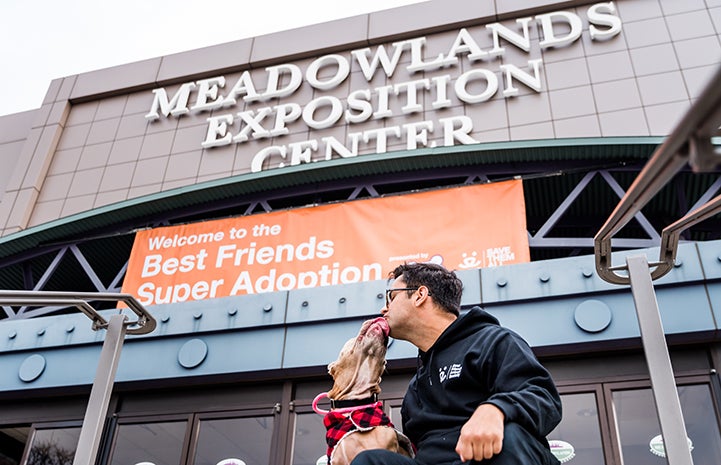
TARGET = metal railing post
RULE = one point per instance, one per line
(97, 408)
(668, 405)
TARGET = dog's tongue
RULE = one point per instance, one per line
(380, 321)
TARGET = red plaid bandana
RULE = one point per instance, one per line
(339, 424)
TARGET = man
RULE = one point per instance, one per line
(479, 393)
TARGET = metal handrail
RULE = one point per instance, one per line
(671, 233)
(144, 324)
(690, 142)
(116, 329)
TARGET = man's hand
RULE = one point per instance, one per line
(482, 435)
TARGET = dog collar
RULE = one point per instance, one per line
(334, 404)
(355, 404)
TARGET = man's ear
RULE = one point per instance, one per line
(421, 295)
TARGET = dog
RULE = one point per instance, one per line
(356, 421)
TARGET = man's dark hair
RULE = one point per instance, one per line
(444, 286)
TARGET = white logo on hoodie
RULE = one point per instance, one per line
(446, 373)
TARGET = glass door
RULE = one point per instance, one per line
(224, 438)
(606, 422)
(308, 436)
(578, 438)
(242, 438)
(153, 440)
(639, 431)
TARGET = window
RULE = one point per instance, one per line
(12, 444)
(578, 436)
(156, 443)
(247, 439)
(309, 444)
(607, 421)
(638, 425)
(53, 446)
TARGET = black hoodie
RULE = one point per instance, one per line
(476, 361)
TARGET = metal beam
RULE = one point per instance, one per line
(645, 224)
(567, 202)
(89, 271)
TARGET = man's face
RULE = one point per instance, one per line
(399, 307)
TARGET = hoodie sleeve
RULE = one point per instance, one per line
(520, 386)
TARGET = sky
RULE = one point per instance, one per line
(42, 40)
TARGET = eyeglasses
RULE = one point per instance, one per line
(389, 293)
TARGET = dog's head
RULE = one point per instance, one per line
(357, 371)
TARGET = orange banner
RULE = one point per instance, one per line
(362, 240)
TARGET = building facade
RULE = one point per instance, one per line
(568, 98)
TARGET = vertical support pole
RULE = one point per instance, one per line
(668, 405)
(97, 409)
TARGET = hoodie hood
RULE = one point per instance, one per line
(466, 324)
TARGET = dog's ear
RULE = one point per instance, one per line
(331, 368)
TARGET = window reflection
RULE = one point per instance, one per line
(309, 439)
(54, 446)
(395, 416)
(577, 439)
(246, 439)
(12, 444)
(157, 443)
(638, 424)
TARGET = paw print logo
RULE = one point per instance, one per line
(470, 261)
(443, 373)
